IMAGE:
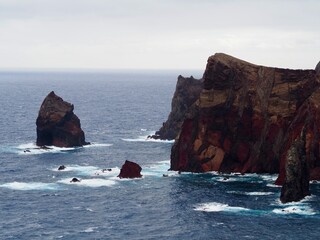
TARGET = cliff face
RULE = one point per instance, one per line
(186, 93)
(57, 125)
(296, 184)
(247, 117)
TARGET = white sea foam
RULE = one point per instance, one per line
(33, 149)
(218, 207)
(158, 169)
(92, 182)
(97, 145)
(146, 139)
(273, 185)
(81, 170)
(295, 209)
(108, 172)
(269, 177)
(90, 229)
(251, 193)
(303, 201)
(24, 186)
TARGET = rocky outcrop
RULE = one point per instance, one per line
(247, 117)
(130, 170)
(186, 93)
(57, 125)
(296, 184)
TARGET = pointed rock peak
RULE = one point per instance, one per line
(318, 68)
(228, 59)
(57, 124)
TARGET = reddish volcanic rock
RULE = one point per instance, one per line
(186, 93)
(57, 125)
(247, 117)
(130, 170)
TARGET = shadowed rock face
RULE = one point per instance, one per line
(318, 68)
(186, 93)
(296, 184)
(130, 170)
(246, 119)
(57, 125)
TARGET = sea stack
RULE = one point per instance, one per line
(130, 170)
(247, 117)
(57, 125)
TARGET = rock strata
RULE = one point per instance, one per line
(186, 93)
(130, 170)
(57, 125)
(247, 117)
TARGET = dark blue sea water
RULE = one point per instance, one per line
(117, 111)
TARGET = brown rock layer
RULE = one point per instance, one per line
(247, 117)
(186, 93)
(57, 125)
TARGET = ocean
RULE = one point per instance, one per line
(118, 110)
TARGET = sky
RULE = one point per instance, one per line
(157, 34)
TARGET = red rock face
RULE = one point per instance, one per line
(247, 117)
(57, 125)
(130, 170)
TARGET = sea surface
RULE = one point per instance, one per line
(118, 110)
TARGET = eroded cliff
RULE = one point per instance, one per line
(247, 117)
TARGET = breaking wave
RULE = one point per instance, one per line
(92, 182)
(295, 209)
(251, 193)
(146, 138)
(218, 207)
(33, 149)
(30, 186)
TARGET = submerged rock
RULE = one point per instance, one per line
(130, 170)
(247, 117)
(75, 180)
(57, 125)
(186, 93)
(62, 167)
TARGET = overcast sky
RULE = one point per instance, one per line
(157, 34)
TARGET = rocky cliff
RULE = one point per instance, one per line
(186, 93)
(57, 125)
(296, 184)
(247, 117)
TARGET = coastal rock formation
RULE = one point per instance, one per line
(130, 170)
(186, 93)
(296, 184)
(57, 125)
(247, 117)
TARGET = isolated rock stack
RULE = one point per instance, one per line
(57, 125)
